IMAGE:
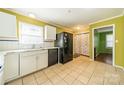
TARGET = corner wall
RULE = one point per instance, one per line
(119, 35)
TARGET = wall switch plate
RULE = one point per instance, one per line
(116, 41)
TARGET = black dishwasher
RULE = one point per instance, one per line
(52, 56)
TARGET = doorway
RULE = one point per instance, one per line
(103, 44)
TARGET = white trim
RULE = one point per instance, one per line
(113, 52)
(114, 44)
(106, 19)
(117, 66)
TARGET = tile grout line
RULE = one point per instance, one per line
(86, 68)
(22, 81)
(48, 78)
(35, 78)
(83, 71)
(64, 77)
(119, 76)
(79, 75)
(58, 75)
(55, 73)
(92, 74)
(104, 75)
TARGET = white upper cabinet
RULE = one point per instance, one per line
(49, 33)
(7, 27)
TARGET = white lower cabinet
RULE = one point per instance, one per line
(11, 69)
(32, 61)
(20, 64)
(42, 59)
(27, 63)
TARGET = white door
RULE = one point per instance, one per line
(77, 44)
(85, 44)
(42, 60)
(11, 68)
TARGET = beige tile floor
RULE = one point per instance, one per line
(80, 71)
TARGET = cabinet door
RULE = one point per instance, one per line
(27, 63)
(42, 60)
(11, 68)
(50, 33)
(7, 27)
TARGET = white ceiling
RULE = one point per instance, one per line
(71, 17)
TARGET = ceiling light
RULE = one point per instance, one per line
(78, 28)
(31, 15)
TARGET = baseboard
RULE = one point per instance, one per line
(119, 67)
(91, 59)
(113, 65)
(84, 55)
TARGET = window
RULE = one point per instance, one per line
(30, 34)
(109, 41)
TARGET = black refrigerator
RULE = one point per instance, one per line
(65, 42)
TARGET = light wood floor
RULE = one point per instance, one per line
(80, 71)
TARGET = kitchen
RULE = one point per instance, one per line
(27, 48)
(56, 46)
(37, 48)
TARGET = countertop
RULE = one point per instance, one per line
(24, 50)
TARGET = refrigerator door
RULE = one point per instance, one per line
(68, 47)
(65, 42)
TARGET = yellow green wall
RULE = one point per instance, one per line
(31, 20)
(119, 35)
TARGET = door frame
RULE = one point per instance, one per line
(113, 50)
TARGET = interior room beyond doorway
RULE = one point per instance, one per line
(103, 45)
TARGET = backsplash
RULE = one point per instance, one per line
(12, 45)
(8, 45)
(48, 44)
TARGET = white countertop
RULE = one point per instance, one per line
(24, 50)
(51, 47)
